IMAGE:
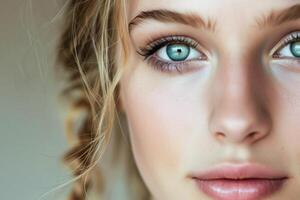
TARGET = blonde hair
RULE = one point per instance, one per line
(86, 56)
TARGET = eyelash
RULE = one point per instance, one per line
(164, 66)
(290, 38)
(154, 45)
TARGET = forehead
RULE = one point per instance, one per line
(235, 19)
(219, 10)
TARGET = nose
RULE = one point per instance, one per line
(238, 114)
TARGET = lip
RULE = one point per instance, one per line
(239, 182)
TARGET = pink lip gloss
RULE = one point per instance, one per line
(242, 189)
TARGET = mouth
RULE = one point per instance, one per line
(240, 182)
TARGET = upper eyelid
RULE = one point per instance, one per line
(171, 38)
(178, 38)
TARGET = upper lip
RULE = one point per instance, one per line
(239, 171)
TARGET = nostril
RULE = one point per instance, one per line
(253, 135)
(241, 124)
(220, 136)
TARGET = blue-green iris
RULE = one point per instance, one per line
(178, 52)
(295, 48)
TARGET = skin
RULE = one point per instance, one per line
(239, 106)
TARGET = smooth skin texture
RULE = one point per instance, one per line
(239, 105)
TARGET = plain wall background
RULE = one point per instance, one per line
(31, 119)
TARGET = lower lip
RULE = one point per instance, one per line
(246, 189)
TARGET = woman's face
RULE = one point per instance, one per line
(214, 86)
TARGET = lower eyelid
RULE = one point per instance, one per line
(156, 57)
(289, 64)
(183, 66)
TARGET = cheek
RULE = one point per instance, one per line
(285, 112)
(290, 131)
(163, 118)
(153, 131)
(157, 120)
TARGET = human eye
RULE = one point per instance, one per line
(173, 54)
(287, 51)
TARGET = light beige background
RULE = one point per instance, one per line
(31, 125)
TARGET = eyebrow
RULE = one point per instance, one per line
(169, 16)
(194, 20)
(276, 18)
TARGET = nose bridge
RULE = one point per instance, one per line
(238, 113)
(236, 85)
